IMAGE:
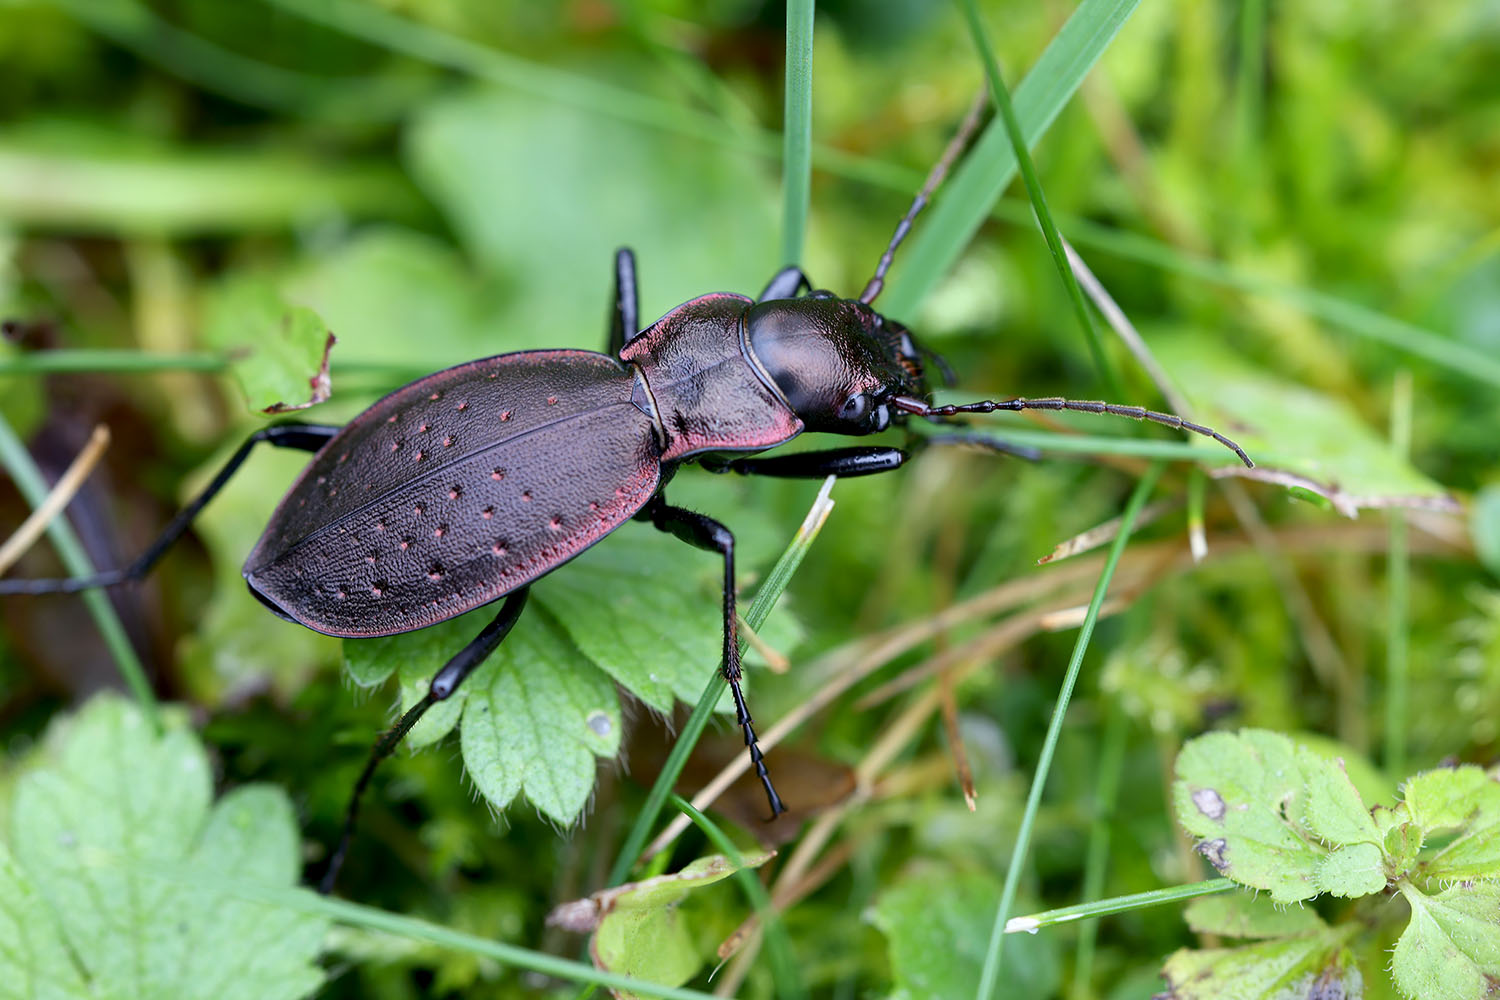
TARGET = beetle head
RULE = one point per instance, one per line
(837, 361)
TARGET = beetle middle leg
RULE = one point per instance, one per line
(705, 533)
(443, 684)
(843, 462)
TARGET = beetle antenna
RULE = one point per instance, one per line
(940, 169)
(917, 408)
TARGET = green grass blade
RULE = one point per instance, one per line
(1033, 922)
(28, 479)
(979, 181)
(111, 361)
(1038, 198)
(778, 946)
(765, 599)
(993, 957)
(796, 161)
(1096, 857)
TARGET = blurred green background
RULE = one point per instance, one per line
(1296, 204)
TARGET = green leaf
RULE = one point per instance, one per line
(637, 926)
(1297, 436)
(1264, 809)
(1484, 526)
(278, 353)
(397, 297)
(937, 929)
(1352, 870)
(1295, 968)
(1451, 948)
(537, 716)
(1240, 914)
(1451, 797)
(1465, 798)
(101, 827)
(526, 190)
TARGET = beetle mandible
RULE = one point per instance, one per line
(465, 486)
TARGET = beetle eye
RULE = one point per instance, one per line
(854, 407)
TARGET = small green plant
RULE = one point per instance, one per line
(1287, 820)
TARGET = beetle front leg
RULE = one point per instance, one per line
(787, 283)
(444, 683)
(844, 462)
(624, 318)
(705, 533)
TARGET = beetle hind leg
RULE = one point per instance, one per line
(302, 437)
(444, 683)
(705, 533)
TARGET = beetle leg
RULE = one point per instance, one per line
(787, 283)
(306, 437)
(705, 533)
(624, 318)
(845, 462)
(444, 683)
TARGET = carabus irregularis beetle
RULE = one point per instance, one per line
(465, 486)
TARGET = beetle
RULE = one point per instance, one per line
(465, 486)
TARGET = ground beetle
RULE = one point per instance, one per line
(465, 486)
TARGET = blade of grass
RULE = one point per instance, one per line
(979, 181)
(765, 599)
(778, 946)
(1096, 856)
(110, 361)
(28, 479)
(1033, 922)
(1397, 610)
(796, 161)
(1034, 191)
(993, 957)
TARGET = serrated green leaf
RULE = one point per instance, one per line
(112, 808)
(1334, 810)
(1451, 948)
(278, 352)
(1352, 870)
(1451, 797)
(414, 657)
(536, 717)
(637, 930)
(937, 932)
(1296, 968)
(1297, 435)
(1243, 915)
(1236, 793)
(1463, 798)
(1277, 816)
(646, 609)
